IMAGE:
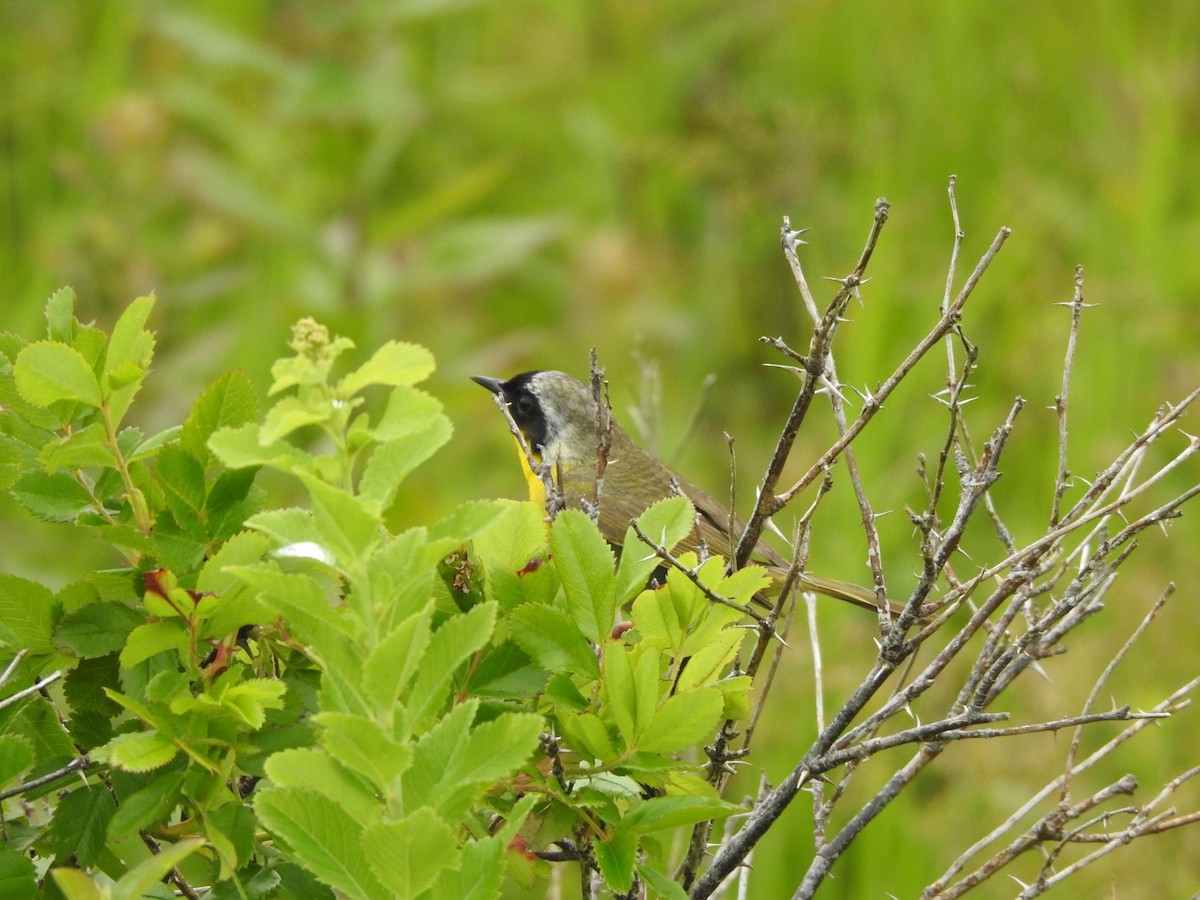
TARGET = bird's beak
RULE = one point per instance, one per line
(495, 385)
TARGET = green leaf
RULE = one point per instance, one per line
(130, 343)
(553, 641)
(408, 855)
(343, 525)
(483, 863)
(238, 447)
(150, 445)
(684, 720)
(147, 806)
(391, 462)
(153, 638)
(491, 751)
(76, 885)
(588, 735)
(140, 751)
(18, 877)
(86, 447)
(180, 546)
(96, 629)
(708, 663)
(84, 685)
(409, 410)
(28, 611)
(420, 785)
(395, 659)
(182, 477)
(80, 822)
(291, 414)
(667, 522)
(659, 813)
(16, 755)
(467, 520)
(451, 645)
(660, 884)
(314, 769)
(60, 315)
(47, 372)
(616, 856)
(585, 564)
(229, 402)
(142, 878)
(250, 700)
(323, 837)
(394, 363)
(52, 497)
(360, 744)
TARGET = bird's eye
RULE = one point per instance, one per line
(524, 405)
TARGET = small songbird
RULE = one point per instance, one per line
(557, 417)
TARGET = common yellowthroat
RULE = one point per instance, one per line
(557, 417)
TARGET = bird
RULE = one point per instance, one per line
(556, 415)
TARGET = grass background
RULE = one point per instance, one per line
(511, 183)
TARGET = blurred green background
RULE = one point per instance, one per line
(510, 183)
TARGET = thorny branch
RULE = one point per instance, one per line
(996, 622)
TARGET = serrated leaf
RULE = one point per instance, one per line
(584, 562)
(408, 411)
(238, 447)
(394, 363)
(684, 720)
(80, 822)
(291, 414)
(141, 751)
(84, 685)
(48, 372)
(16, 755)
(179, 546)
(552, 640)
(96, 629)
(667, 522)
(18, 876)
(707, 663)
(659, 813)
(408, 855)
(361, 745)
(228, 402)
(182, 478)
(391, 462)
(451, 645)
(149, 805)
(480, 874)
(661, 886)
(86, 447)
(60, 315)
(89, 729)
(150, 445)
(153, 638)
(28, 611)
(467, 520)
(490, 752)
(420, 785)
(139, 880)
(250, 700)
(130, 343)
(322, 836)
(343, 525)
(588, 735)
(395, 659)
(615, 856)
(314, 769)
(52, 497)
